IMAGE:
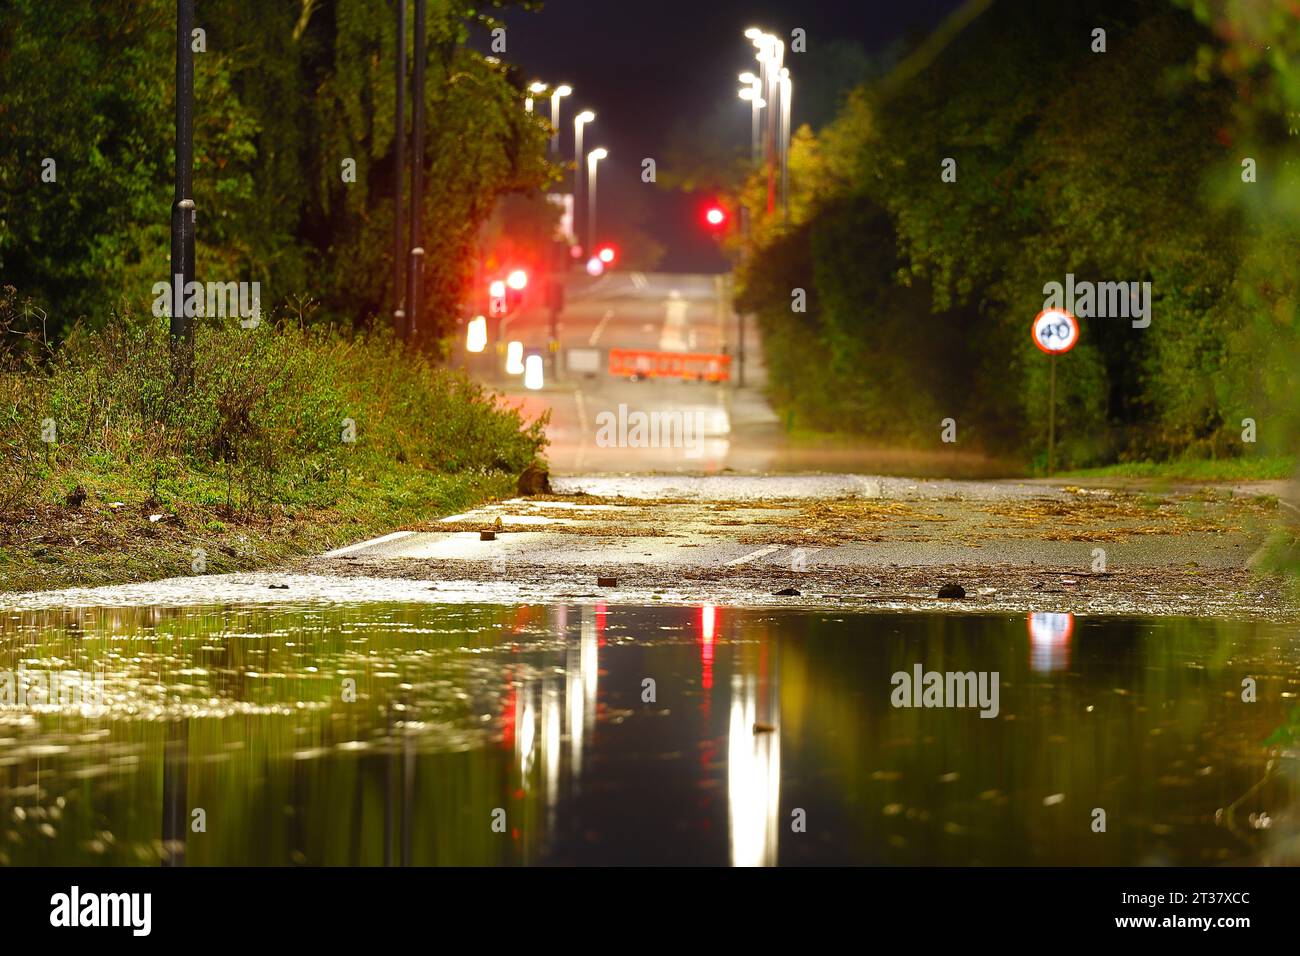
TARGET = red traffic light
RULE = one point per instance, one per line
(606, 254)
(715, 216)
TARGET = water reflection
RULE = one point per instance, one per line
(1049, 641)
(395, 733)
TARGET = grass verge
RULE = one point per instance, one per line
(1198, 469)
(124, 460)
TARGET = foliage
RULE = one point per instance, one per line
(1115, 166)
(280, 415)
(285, 92)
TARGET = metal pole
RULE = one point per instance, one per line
(786, 95)
(417, 169)
(399, 175)
(1051, 416)
(183, 214)
(591, 205)
(578, 160)
(740, 353)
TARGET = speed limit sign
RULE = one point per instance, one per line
(1055, 331)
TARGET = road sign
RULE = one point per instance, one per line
(1055, 331)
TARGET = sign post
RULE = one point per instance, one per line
(1055, 332)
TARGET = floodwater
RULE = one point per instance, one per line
(404, 733)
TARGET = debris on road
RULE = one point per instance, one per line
(952, 592)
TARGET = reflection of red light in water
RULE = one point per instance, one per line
(601, 611)
(1049, 641)
(508, 715)
(708, 623)
(522, 617)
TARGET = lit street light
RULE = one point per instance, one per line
(595, 156)
(579, 121)
(756, 104)
(562, 90)
(536, 89)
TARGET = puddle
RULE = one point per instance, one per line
(400, 731)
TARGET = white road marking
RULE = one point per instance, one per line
(338, 552)
(600, 326)
(638, 279)
(755, 554)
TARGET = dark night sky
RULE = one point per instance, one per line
(644, 65)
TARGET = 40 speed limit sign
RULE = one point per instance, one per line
(1055, 331)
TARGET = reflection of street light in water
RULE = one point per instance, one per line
(551, 740)
(580, 679)
(526, 732)
(753, 779)
(1049, 641)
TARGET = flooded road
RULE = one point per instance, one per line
(423, 733)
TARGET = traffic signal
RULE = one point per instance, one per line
(607, 253)
(715, 217)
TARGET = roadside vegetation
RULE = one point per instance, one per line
(1126, 165)
(312, 429)
(287, 440)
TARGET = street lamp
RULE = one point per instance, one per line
(579, 121)
(786, 93)
(771, 52)
(559, 91)
(595, 156)
(756, 104)
(536, 89)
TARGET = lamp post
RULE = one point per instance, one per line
(556, 94)
(752, 93)
(583, 118)
(399, 152)
(417, 171)
(595, 156)
(535, 89)
(183, 215)
(786, 93)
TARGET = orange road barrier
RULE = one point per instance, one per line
(646, 363)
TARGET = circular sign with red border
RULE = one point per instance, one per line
(1055, 331)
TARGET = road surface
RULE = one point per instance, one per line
(735, 427)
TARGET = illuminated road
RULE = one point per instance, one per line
(730, 427)
(706, 427)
